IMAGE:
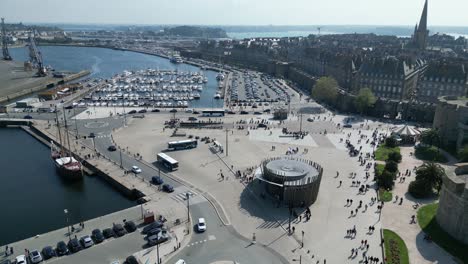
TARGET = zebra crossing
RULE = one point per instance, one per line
(181, 192)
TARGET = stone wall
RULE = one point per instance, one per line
(452, 214)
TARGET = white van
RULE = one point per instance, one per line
(180, 261)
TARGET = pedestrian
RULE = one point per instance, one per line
(11, 250)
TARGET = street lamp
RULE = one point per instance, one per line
(188, 206)
(302, 241)
(68, 226)
(300, 259)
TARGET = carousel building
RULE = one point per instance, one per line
(292, 180)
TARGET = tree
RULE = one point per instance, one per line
(364, 100)
(430, 137)
(391, 166)
(390, 142)
(419, 189)
(394, 156)
(463, 154)
(428, 178)
(385, 180)
(325, 89)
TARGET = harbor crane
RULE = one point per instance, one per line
(35, 56)
(6, 53)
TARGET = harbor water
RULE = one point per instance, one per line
(105, 63)
(33, 196)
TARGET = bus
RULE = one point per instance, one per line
(182, 144)
(168, 162)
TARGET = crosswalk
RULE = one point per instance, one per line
(180, 195)
(210, 238)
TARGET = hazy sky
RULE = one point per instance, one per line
(236, 12)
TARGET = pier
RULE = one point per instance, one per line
(17, 82)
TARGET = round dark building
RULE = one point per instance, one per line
(293, 180)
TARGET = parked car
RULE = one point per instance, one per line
(61, 249)
(131, 260)
(86, 241)
(136, 170)
(257, 113)
(155, 110)
(347, 125)
(108, 233)
(74, 245)
(69, 107)
(97, 236)
(27, 117)
(261, 125)
(167, 188)
(154, 231)
(155, 224)
(132, 112)
(111, 148)
(196, 113)
(92, 135)
(157, 239)
(48, 252)
(21, 259)
(189, 111)
(119, 230)
(35, 256)
(244, 113)
(173, 111)
(156, 180)
(201, 225)
(142, 111)
(192, 118)
(130, 226)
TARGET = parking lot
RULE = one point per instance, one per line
(250, 86)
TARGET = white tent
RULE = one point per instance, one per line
(406, 131)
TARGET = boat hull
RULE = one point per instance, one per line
(68, 173)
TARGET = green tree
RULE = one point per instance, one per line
(325, 89)
(391, 166)
(390, 142)
(419, 189)
(463, 154)
(430, 137)
(394, 156)
(386, 180)
(431, 174)
(364, 100)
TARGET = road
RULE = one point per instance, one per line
(219, 242)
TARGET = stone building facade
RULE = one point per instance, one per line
(389, 77)
(452, 214)
(451, 121)
(442, 79)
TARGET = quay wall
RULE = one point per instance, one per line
(47, 85)
(90, 168)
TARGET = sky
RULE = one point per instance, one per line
(236, 12)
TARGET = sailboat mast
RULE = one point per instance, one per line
(59, 133)
(66, 131)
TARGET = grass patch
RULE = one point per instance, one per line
(428, 223)
(395, 248)
(385, 195)
(382, 152)
(429, 153)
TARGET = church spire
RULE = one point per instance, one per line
(423, 22)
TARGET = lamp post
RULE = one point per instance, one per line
(302, 241)
(121, 165)
(188, 206)
(68, 226)
(300, 259)
(157, 253)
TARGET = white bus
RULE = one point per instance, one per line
(182, 144)
(168, 162)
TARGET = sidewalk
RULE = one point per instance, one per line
(398, 217)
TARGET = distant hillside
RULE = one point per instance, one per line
(193, 31)
(21, 26)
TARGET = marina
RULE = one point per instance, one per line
(150, 88)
